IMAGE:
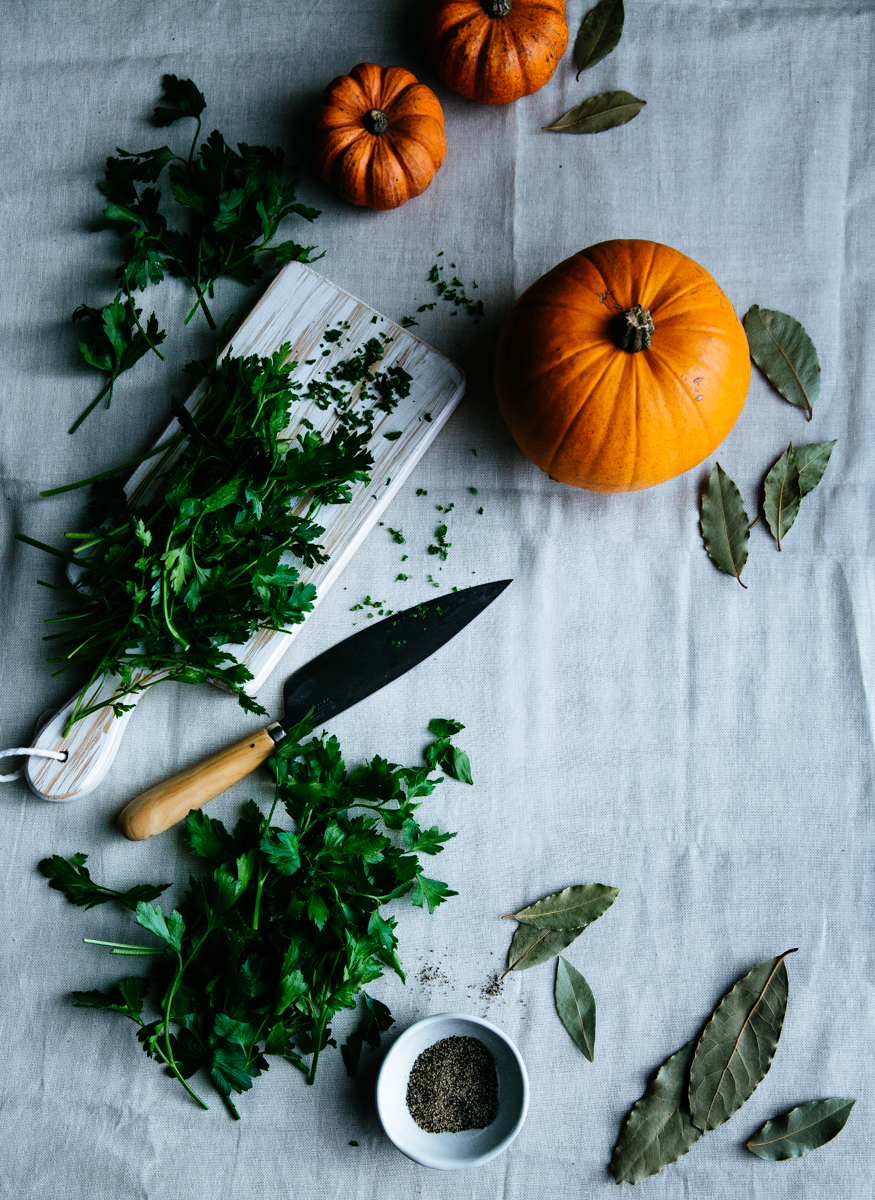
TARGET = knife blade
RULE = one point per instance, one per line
(337, 679)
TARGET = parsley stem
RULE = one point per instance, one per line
(138, 953)
(319, 1028)
(167, 621)
(124, 945)
(171, 1061)
(131, 462)
(81, 698)
(194, 141)
(107, 387)
(257, 908)
(146, 337)
(173, 1067)
(115, 698)
(201, 303)
(29, 541)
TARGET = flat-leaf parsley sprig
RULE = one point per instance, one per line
(235, 202)
(166, 584)
(203, 562)
(285, 929)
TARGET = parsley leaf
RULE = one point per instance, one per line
(429, 891)
(72, 877)
(127, 998)
(180, 99)
(375, 1020)
(441, 754)
(281, 849)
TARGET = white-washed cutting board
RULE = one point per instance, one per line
(298, 308)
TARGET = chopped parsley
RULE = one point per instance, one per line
(440, 546)
(454, 292)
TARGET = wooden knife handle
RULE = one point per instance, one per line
(169, 802)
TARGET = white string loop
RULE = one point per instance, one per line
(29, 751)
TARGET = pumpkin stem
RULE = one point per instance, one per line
(498, 8)
(376, 121)
(637, 329)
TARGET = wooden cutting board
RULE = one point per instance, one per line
(298, 308)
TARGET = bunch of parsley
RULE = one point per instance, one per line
(166, 584)
(285, 929)
(234, 201)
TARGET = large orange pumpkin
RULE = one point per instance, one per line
(379, 136)
(496, 51)
(622, 367)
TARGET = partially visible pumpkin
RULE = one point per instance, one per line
(623, 366)
(496, 51)
(379, 136)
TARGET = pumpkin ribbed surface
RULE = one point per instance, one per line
(496, 59)
(608, 419)
(379, 136)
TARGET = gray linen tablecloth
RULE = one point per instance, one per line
(633, 717)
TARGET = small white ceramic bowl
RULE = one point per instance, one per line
(452, 1151)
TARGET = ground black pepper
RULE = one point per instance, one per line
(493, 987)
(453, 1086)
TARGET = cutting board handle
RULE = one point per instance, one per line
(170, 801)
(90, 746)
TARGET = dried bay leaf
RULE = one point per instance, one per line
(783, 495)
(811, 461)
(785, 354)
(600, 32)
(531, 946)
(725, 525)
(796, 473)
(598, 114)
(658, 1131)
(802, 1129)
(575, 1004)
(736, 1048)
(572, 908)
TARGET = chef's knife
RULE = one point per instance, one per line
(331, 683)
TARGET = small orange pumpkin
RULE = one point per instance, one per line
(379, 136)
(496, 51)
(623, 366)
